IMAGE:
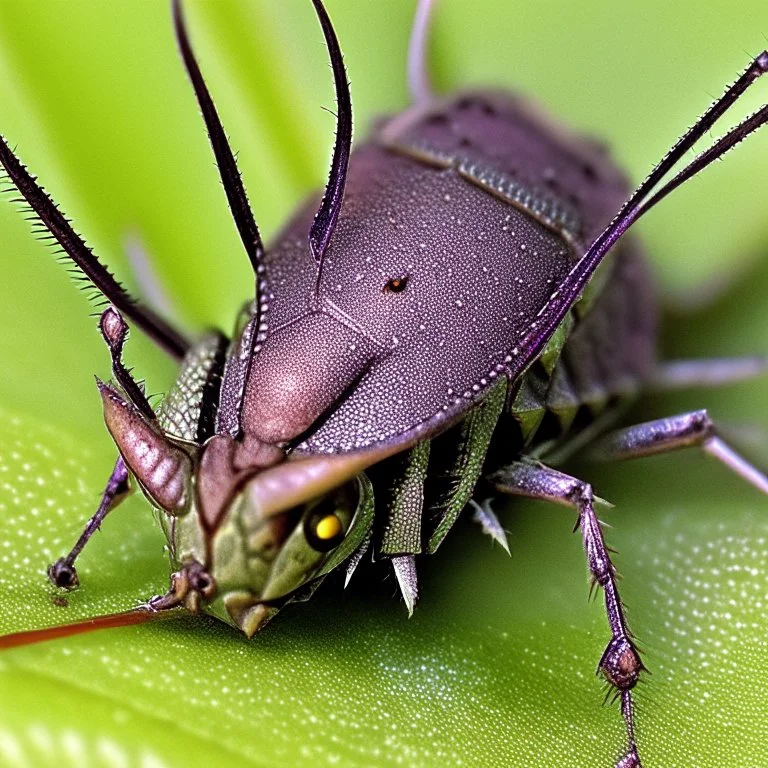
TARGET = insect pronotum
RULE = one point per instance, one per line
(458, 312)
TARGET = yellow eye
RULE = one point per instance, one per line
(324, 530)
(328, 528)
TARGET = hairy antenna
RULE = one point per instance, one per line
(60, 229)
(643, 199)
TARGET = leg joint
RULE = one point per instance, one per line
(581, 496)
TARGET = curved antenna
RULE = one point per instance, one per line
(225, 160)
(419, 83)
(641, 201)
(325, 219)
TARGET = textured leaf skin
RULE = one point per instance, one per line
(351, 678)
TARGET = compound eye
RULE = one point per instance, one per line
(395, 284)
(324, 530)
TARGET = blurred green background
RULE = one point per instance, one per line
(497, 666)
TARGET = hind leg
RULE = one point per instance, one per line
(686, 430)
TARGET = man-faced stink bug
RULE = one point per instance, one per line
(444, 323)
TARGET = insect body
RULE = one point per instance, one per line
(440, 326)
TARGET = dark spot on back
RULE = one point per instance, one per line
(589, 172)
(395, 284)
(438, 118)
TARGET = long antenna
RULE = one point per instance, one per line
(325, 220)
(419, 83)
(225, 160)
(639, 203)
(44, 209)
(109, 621)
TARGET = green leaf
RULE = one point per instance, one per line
(497, 666)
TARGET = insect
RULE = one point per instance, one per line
(442, 324)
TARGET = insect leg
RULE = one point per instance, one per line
(62, 573)
(115, 332)
(159, 330)
(710, 372)
(620, 662)
(694, 429)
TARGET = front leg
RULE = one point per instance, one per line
(62, 573)
(620, 662)
(114, 330)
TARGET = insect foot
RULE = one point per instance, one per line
(620, 662)
(189, 585)
(63, 574)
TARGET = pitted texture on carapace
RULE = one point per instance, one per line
(303, 370)
(478, 271)
(507, 140)
(479, 267)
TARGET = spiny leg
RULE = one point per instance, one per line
(686, 430)
(114, 330)
(620, 662)
(62, 573)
